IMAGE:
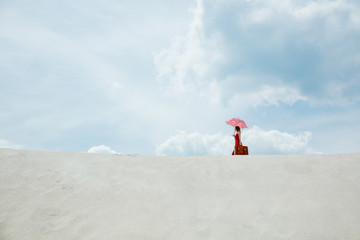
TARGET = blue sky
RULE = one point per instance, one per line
(138, 77)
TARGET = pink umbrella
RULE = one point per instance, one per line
(236, 122)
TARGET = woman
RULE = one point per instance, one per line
(237, 137)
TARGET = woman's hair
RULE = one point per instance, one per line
(237, 128)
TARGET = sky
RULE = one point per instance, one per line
(162, 77)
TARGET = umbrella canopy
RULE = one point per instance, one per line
(236, 122)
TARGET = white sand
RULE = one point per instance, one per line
(63, 196)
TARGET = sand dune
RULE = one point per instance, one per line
(47, 195)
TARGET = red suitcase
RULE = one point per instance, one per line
(241, 150)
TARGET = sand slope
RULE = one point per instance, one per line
(45, 195)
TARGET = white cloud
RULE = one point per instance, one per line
(258, 140)
(292, 42)
(192, 66)
(276, 142)
(6, 144)
(324, 8)
(188, 64)
(183, 143)
(101, 149)
(275, 95)
(267, 95)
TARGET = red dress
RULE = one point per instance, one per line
(237, 142)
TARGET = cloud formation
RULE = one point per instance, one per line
(101, 149)
(183, 143)
(258, 140)
(7, 144)
(188, 64)
(305, 50)
(277, 142)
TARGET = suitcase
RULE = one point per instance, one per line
(241, 150)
